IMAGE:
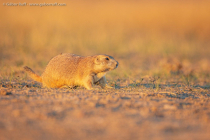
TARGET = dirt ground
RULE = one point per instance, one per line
(138, 111)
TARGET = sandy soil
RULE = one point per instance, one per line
(28, 111)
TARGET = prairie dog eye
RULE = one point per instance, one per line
(107, 58)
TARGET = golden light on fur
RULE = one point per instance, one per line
(72, 70)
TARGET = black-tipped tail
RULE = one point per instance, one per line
(32, 74)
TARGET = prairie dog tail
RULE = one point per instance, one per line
(32, 74)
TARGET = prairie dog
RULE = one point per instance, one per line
(72, 70)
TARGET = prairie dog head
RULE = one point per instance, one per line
(105, 63)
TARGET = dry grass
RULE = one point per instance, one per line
(141, 31)
(163, 53)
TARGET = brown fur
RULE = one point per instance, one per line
(72, 70)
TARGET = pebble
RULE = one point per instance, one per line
(170, 107)
(5, 92)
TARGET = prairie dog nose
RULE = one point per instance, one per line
(117, 64)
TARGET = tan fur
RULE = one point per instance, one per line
(32, 74)
(72, 70)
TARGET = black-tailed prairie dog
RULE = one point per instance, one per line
(72, 70)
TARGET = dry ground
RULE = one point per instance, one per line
(140, 111)
(161, 87)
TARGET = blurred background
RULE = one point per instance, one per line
(152, 37)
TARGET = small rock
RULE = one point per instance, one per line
(5, 92)
(170, 107)
(125, 98)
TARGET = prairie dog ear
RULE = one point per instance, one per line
(97, 60)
